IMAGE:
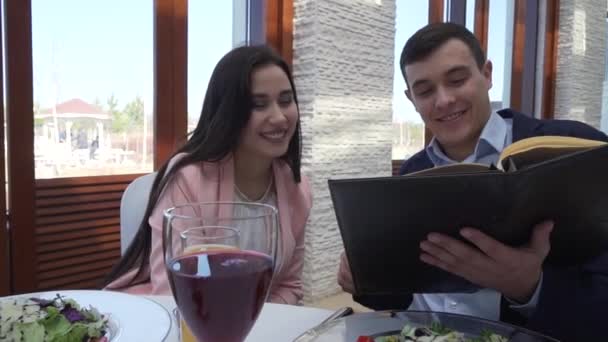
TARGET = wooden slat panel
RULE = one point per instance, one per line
(76, 226)
(77, 285)
(74, 241)
(75, 199)
(78, 208)
(62, 191)
(77, 252)
(66, 280)
(85, 259)
(70, 244)
(82, 181)
(78, 217)
(20, 140)
(79, 234)
(83, 268)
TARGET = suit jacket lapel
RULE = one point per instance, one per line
(523, 126)
(283, 206)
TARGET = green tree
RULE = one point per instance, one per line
(132, 117)
(126, 120)
(134, 112)
(120, 122)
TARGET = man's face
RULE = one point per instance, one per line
(451, 94)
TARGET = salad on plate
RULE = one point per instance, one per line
(50, 320)
(433, 333)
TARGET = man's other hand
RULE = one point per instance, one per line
(514, 272)
(345, 277)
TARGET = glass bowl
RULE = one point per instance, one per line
(382, 323)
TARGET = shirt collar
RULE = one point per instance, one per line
(492, 140)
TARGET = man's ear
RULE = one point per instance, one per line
(486, 71)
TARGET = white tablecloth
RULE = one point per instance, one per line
(277, 322)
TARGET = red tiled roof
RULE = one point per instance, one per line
(76, 106)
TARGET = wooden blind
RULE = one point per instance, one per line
(77, 230)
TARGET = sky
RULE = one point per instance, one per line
(92, 49)
(96, 50)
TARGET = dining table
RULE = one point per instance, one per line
(277, 322)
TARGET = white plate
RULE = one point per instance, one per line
(132, 318)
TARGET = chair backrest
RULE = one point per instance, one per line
(133, 207)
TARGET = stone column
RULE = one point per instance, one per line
(581, 60)
(343, 67)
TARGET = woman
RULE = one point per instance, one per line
(246, 147)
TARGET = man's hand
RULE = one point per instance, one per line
(345, 277)
(514, 272)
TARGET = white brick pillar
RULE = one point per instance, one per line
(581, 60)
(343, 67)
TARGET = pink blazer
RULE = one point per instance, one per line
(205, 182)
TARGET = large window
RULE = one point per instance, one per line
(92, 70)
(408, 128)
(500, 50)
(96, 95)
(214, 27)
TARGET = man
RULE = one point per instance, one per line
(448, 79)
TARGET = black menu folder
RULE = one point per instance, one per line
(383, 220)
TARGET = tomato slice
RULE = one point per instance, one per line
(365, 339)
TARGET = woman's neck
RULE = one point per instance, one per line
(252, 176)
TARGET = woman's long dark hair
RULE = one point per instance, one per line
(226, 110)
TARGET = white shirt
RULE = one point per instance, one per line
(247, 229)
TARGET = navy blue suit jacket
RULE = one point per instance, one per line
(573, 302)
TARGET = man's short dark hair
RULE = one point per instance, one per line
(429, 38)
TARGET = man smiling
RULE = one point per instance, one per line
(448, 80)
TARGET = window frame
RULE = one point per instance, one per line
(270, 21)
(525, 47)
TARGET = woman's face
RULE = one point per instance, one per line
(273, 117)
